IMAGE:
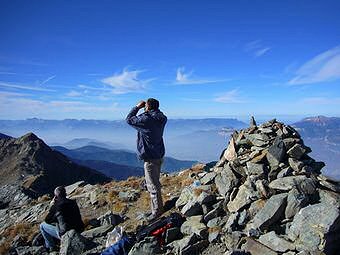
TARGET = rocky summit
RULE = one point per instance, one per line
(29, 167)
(264, 196)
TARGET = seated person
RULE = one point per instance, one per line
(65, 213)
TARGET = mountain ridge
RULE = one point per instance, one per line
(29, 162)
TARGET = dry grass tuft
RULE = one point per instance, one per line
(214, 229)
(44, 198)
(119, 206)
(187, 182)
(197, 168)
(198, 191)
(26, 230)
(112, 196)
(4, 247)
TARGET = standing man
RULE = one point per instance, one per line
(65, 213)
(150, 146)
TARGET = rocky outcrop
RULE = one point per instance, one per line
(265, 195)
(274, 198)
(32, 165)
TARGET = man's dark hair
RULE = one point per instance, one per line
(60, 192)
(153, 104)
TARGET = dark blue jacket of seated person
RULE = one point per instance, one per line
(150, 126)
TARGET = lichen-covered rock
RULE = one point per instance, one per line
(316, 227)
(271, 212)
(73, 243)
(276, 243)
(256, 248)
(225, 181)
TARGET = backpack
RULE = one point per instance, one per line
(159, 227)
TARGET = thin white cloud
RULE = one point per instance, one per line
(183, 78)
(256, 48)
(322, 68)
(13, 106)
(24, 87)
(86, 87)
(48, 79)
(261, 52)
(14, 94)
(73, 93)
(126, 82)
(321, 100)
(229, 97)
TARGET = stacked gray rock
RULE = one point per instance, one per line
(265, 195)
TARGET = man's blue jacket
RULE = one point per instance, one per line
(150, 126)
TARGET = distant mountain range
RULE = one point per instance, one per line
(322, 134)
(179, 134)
(28, 162)
(192, 139)
(97, 158)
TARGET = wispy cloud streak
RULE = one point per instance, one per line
(48, 79)
(322, 68)
(24, 87)
(256, 48)
(126, 82)
(229, 97)
(184, 78)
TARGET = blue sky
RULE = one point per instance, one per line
(96, 59)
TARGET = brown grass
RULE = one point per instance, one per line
(214, 229)
(198, 191)
(187, 182)
(26, 230)
(132, 182)
(4, 247)
(44, 198)
(112, 196)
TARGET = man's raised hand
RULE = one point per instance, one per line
(141, 104)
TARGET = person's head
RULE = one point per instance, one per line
(60, 192)
(151, 104)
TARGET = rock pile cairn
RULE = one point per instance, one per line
(265, 195)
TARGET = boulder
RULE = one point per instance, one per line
(172, 234)
(255, 169)
(271, 212)
(276, 152)
(295, 201)
(99, 231)
(295, 164)
(71, 188)
(225, 181)
(297, 151)
(27, 250)
(109, 218)
(245, 196)
(217, 222)
(232, 240)
(287, 183)
(192, 208)
(316, 227)
(179, 246)
(147, 246)
(208, 178)
(276, 243)
(185, 197)
(194, 225)
(72, 243)
(256, 248)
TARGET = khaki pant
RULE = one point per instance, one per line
(152, 170)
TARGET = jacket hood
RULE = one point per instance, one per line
(158, 115)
